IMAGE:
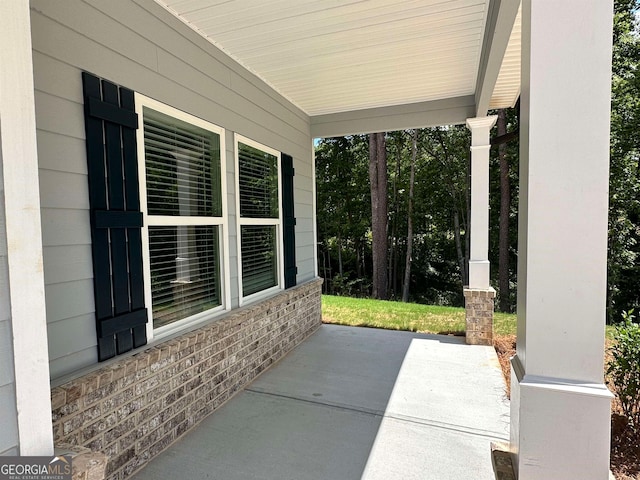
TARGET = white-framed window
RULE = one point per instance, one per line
(258, 200)
(181, 167)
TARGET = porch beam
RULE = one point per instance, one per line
(560, 407)
(19, 180)
(451, 111)
(502, 15)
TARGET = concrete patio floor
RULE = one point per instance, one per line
(354, 403)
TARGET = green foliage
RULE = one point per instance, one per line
(624, 185)
(343, 285)
(344, 211)
(623, 369)
(440, 192)
(441, 208)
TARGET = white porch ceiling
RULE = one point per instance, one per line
(507, 89)
(336, 56)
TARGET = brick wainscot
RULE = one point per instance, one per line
(134, 408)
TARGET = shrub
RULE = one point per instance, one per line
(623, 370)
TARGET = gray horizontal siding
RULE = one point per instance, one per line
(306, 269)
(6, 353)
(305, 237)
(65, 215)
(67, 263)
(63, 190)
(11, 452)
(52, 110)
(141, 46)
(305, 225)
(5, 305)
(304, 210)
(64, 80)
(65, 226)
(61, 153)
(69, 299)
(67, 364)
(9, 431)
(62, 334)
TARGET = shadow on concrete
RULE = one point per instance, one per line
(353, 403)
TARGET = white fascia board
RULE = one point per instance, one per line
(497, 34)
(451, 111)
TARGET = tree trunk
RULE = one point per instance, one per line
(383, 213)
(505, 207)
(325, 286)
(378, 179)
(340, 256)
(462, 261)
(407, 261)
(393, 227)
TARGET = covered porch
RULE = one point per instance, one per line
(352, 403)
(295, 74)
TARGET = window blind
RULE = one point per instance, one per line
(182, 167)
(259, 262)
(185, 271)
(258, 180)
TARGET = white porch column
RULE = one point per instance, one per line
(478, 295)
(560, 408)
(480, 149)
(19, 162)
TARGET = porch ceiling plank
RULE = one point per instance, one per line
(354, 61)
(324, 17)
(391, 24)
(439, 46)
(507, 88)
(501, 20)
(383, 57)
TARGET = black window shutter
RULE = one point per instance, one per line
(289, 221)
(116, 220)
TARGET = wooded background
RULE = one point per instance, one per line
(393, 208)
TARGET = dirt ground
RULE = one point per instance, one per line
(625, 444)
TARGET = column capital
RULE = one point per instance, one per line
(480, 127)
(481, 122)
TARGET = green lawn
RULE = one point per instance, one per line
(414, 317)
(363, 312)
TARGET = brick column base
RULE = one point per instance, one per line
(479, 313)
